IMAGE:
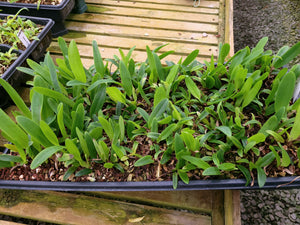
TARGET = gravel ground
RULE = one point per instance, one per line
(280, 21)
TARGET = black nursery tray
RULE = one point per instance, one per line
(58, 13)
(35, 51)
(234, 184)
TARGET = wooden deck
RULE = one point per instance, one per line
(126, 23)
(123, 24)
(116, 208)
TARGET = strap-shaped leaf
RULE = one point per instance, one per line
(125, 78)
(44, 155)
(158, 110)
(16, 98)
(116, 95)
(98, 61)
(196, 161)
(145, 160)
(34, 130)
(75, 62)
(288, 56)
(191, 57)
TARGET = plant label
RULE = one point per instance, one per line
(23, 38)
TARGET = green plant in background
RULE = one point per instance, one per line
(6, 59)
(227, 119)
(11, 25)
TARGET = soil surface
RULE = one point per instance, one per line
(41, 2)
(280, 21)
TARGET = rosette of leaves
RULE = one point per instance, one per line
(12, 24)
(6, 59)
(217, 119)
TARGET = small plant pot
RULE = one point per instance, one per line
(80, 7)
(35, 51)
(58, 13)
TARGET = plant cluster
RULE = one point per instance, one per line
(10, 27)
(229, 117)
(6, 59)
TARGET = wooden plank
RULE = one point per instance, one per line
(66, 208)
(3, 222)
(129, 42)
(143, 33)
(229, 35)
(217, 214)
(197, 201)
(153, 14)
(86, 53)
(204, 3)
(144, 22)
(232, 207)
(148, 5)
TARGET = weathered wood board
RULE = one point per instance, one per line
(176, 207)
(124, 24)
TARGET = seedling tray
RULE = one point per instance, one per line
(58, 13)
(234, 184)
(35, 51)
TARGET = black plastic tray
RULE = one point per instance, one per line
(237, 184)
(35, 51)
(58, 13)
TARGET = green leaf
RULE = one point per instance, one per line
(83, 172)
(119, 151)
(107, 127)
(284, 94)
(54, 94)
(145, 160)
(83, 143)
(288, 56)
(257, 138)
(75, 62)
(116, 95)
(102, 150)
(159, 95)
(183, 176)
(270, 124)
(10, 158)
(69, 172)
(60, 120)
(251, 95)
(172, 75)
(227, 166)
(34, 130)
(78, 119)
(154, 74)
(98, 62)
(266, 160)
(126, 79)
(10, 128)
(189, 140)
(196, 161)
(192, 87)
(224, 129)
(191, 57)
(223, 52)
(53, 74)
(167, 132)
(261, 177)
(16, 98)
(48, 132)
(246, 173)
(275, 135)
(72, 149)
(295, 132)
(158, 111)
(175, 180)
(286, 160)
(44, 155)
(211, 171)
(235, 141)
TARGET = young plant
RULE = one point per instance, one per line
(185, 121)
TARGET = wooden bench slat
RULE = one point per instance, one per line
(153, 14)
(143, 33)
(144, 22)
(149, 5)
(66, 208)
(204, 3)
